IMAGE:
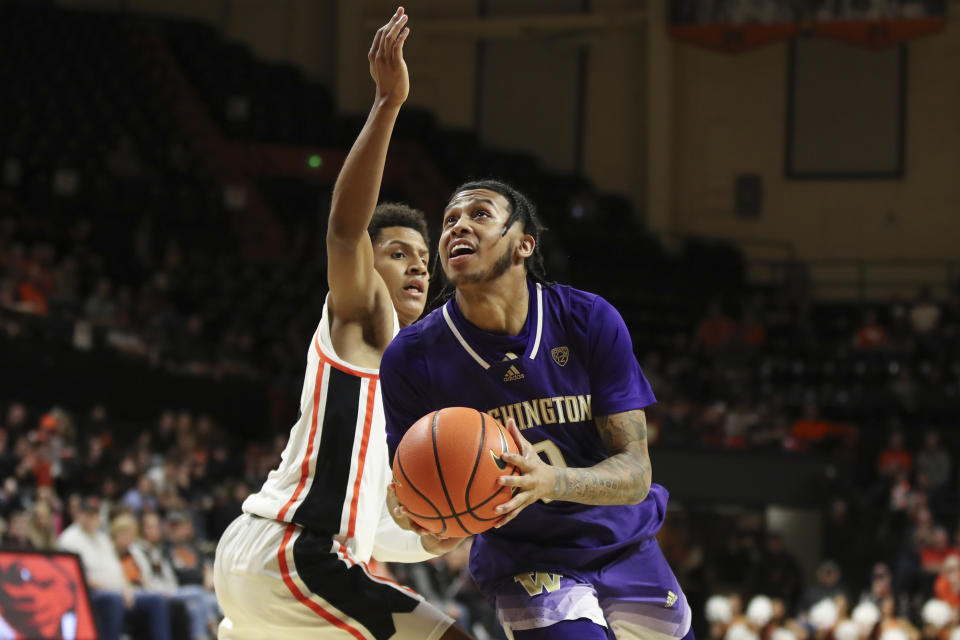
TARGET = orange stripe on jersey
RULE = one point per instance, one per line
(367, 423)
(342, 367)
(305, 465)
(295, 590)
(380, 578)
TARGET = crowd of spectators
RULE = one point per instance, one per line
(145, 503)
(184, 311)
(143, 506)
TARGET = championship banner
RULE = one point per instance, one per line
(733, 25)
(879, 24)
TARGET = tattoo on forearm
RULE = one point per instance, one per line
(624, 477)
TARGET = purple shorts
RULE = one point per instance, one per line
(636, 595)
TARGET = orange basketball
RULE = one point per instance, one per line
(446, 468)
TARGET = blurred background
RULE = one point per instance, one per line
(768, 190)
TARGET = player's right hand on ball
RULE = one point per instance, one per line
(535, 482)
(387, 66)
(432, 543)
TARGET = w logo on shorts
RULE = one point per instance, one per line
(539, 582)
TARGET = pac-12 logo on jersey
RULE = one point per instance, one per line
(561, 355)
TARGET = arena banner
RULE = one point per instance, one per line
(739, 25)
(732, 25)
(878, 24)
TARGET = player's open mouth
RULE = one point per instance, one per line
(459, 251)
(414, 289)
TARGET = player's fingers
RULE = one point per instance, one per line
(507, 518)
(519, 501)
(523, 463)
(398, 45)
(513, 481)
(522, 443)
(375, 46)
(390, 37)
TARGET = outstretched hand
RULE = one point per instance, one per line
(387, 66)
(535, 482)
(432, 543)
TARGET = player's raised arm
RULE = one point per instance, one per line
(350, 262)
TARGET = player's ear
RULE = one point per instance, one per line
(526, 246)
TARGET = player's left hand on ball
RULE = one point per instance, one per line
(438, 545)
(535, 482)
(399, 514)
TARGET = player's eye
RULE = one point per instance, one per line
(399, 255)
(479, 213)
(450, 220)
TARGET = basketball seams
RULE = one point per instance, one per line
(476, 463)
(410, 484)
(443, 483)
(450, 430)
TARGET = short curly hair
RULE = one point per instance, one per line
(394, 214)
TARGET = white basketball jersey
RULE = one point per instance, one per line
(334, 471)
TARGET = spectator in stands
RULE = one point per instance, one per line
(141, 496)
(42, 526)
(947, 585)
(751, 332)
(937, 549)
(100, 308)
(16, 418)
(813, 432)
(934, 460)
(925, 314)
(191, 569)
(10, 499)
(894, 459)
(190, 563)
(870, 335)
(778, 573)
(112, 595)
(33, 291)
(123, 532)
(739, 422)
(17, 535)
(881, 584)
(715, 331)
(891, 619)
(904, 387)
(828, 585)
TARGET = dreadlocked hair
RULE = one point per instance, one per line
(522, 210)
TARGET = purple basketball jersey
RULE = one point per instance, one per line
(573, 361)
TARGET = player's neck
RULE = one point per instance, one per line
(497, 306)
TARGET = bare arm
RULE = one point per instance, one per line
(623, 478)
(352, 278)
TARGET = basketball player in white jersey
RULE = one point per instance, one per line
(294, 565)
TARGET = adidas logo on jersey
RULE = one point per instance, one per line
(512, 374)
(671, 599)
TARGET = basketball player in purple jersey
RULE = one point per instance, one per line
(294, 565)
(574, 555)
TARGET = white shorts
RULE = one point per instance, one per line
(278, 580)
